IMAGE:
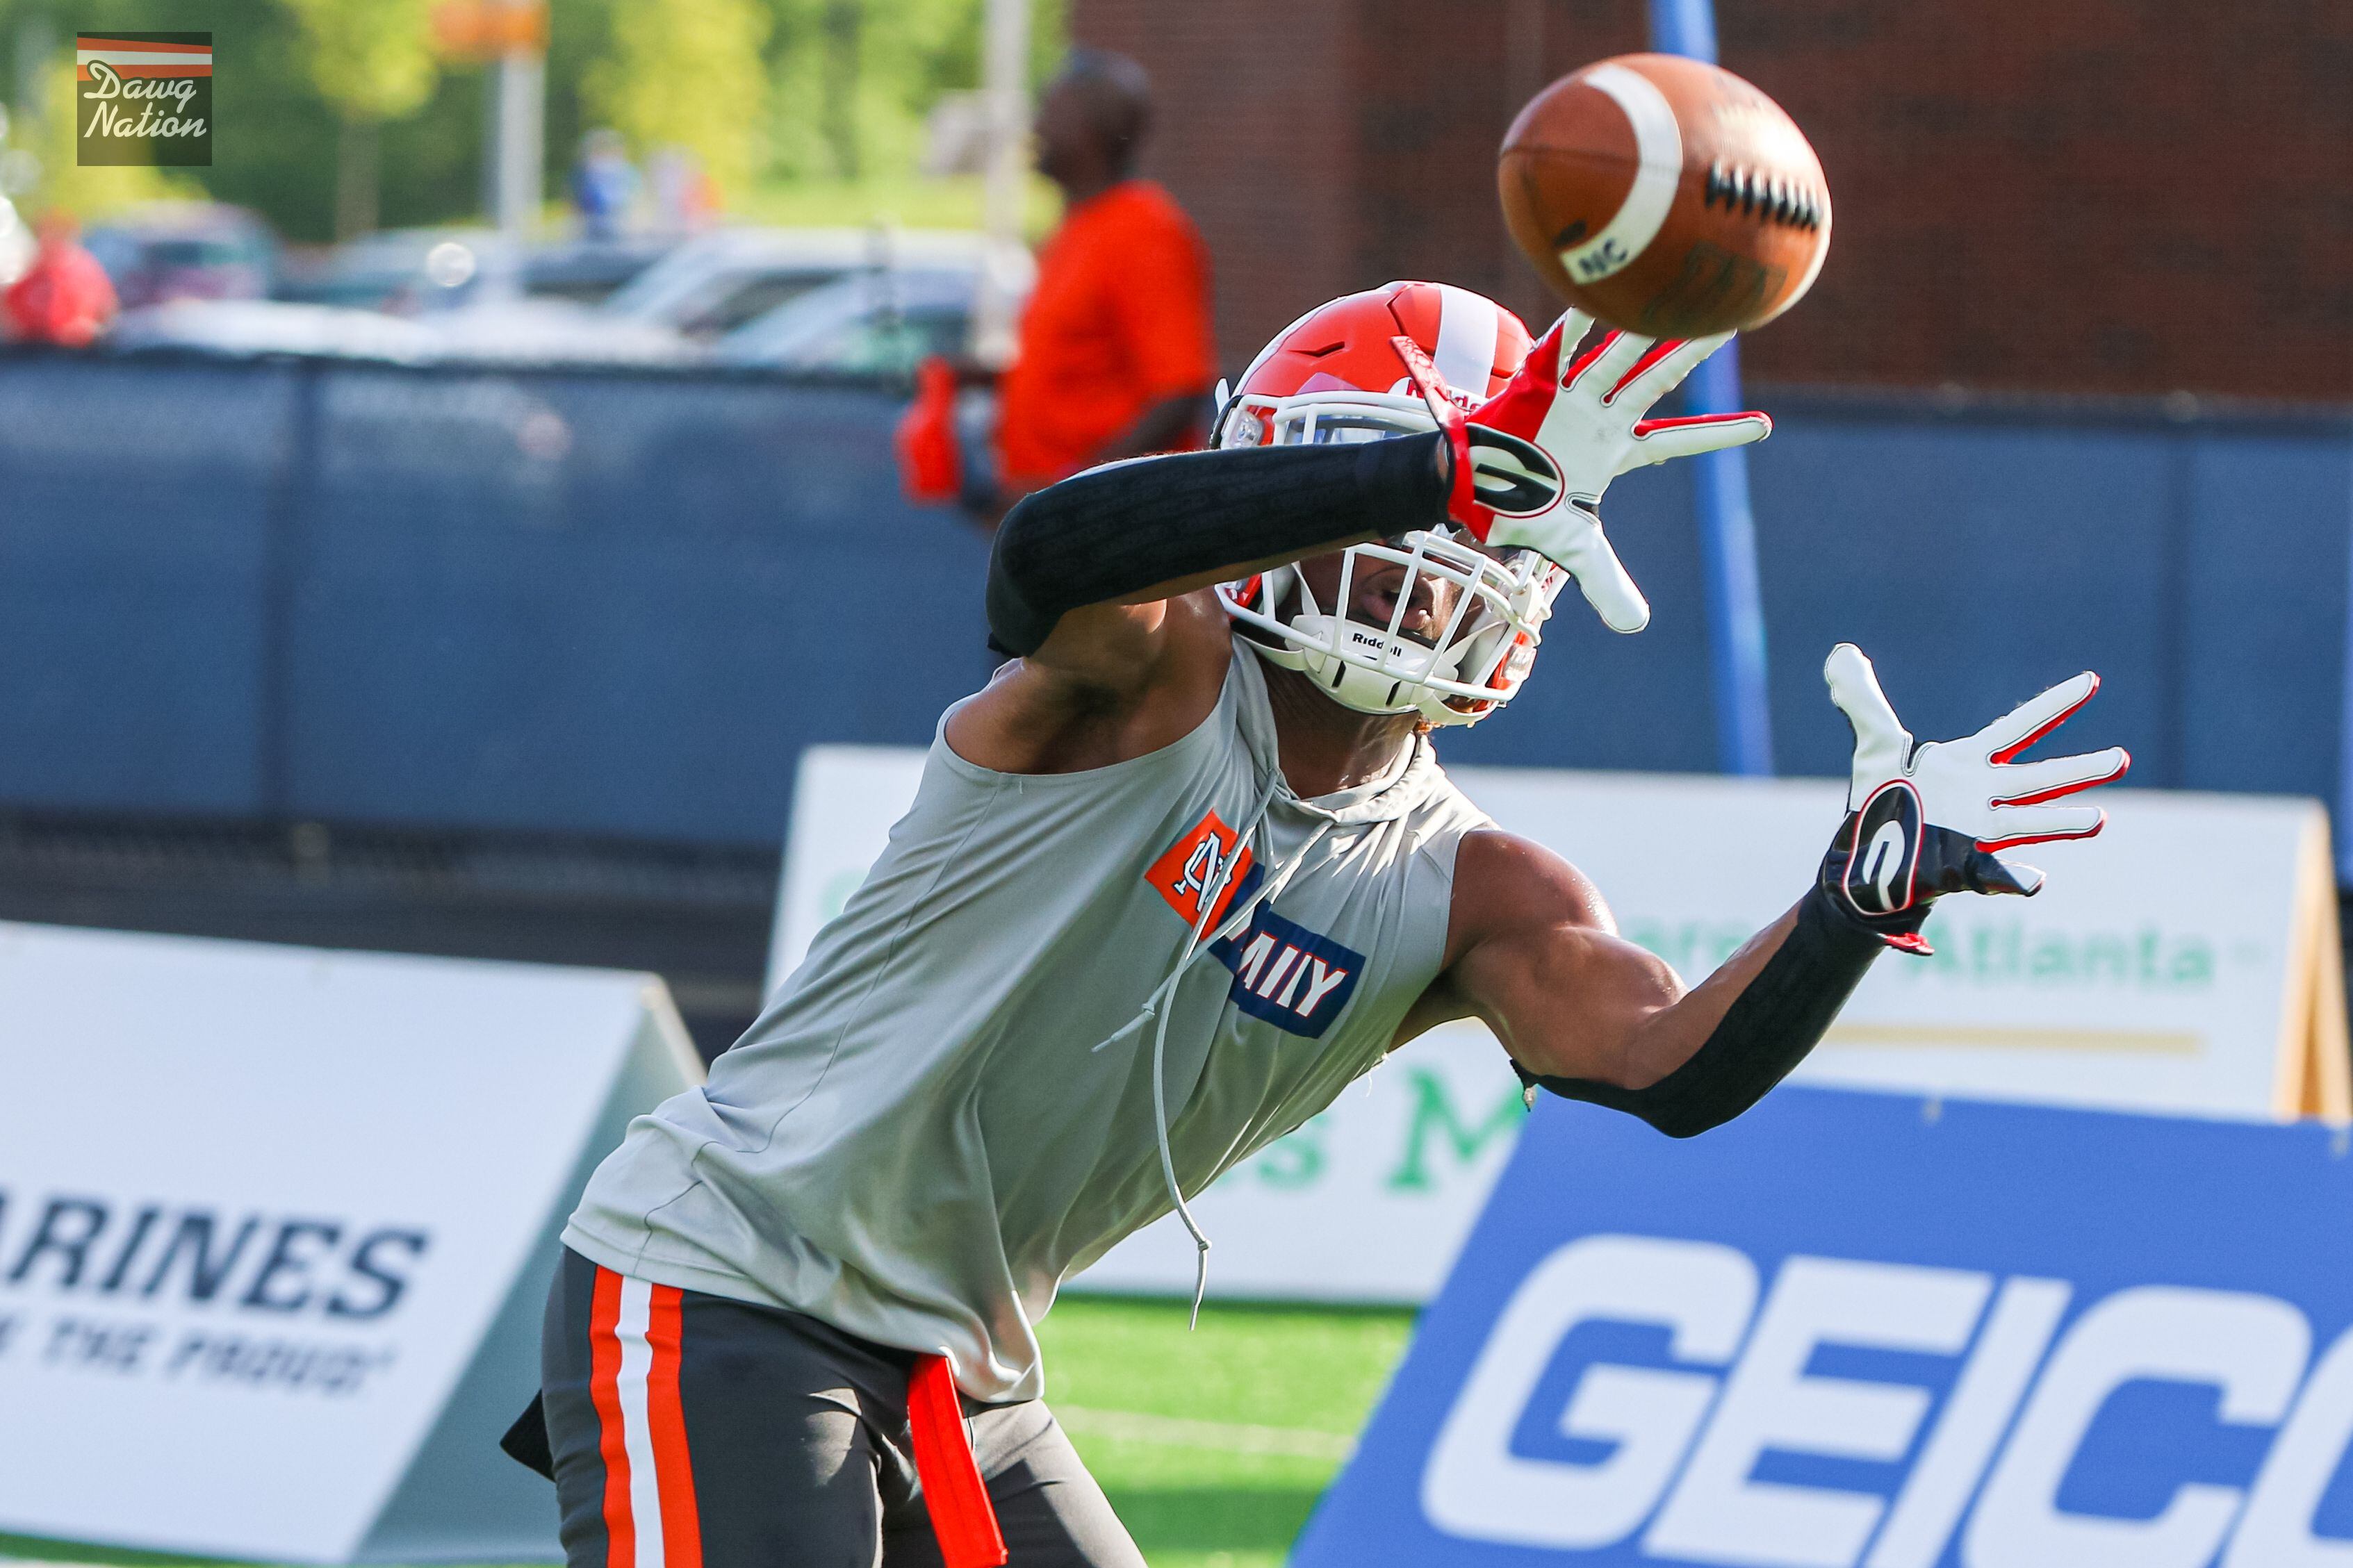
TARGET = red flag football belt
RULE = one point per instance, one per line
(962, 1516)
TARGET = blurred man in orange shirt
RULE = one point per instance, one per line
(1114, 358)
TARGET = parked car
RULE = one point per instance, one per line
(711, 286)
(552, 332)
(857, 301)
(717, 282)
(185, 250)
(256, 327)
(405, 271)
(416, 271)
(682, 306)
(589, 272)
(880, 323)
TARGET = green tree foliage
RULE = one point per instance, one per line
(372, 60)
(884, 62)
(274, 138)
(854, 79)
(688, 76)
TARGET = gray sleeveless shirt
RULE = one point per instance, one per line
(948, 1108)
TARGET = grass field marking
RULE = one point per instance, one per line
(1227, 1436)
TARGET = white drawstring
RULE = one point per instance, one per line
(1267, 890)
(1159, 1004)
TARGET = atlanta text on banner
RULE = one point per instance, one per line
(2182, 961)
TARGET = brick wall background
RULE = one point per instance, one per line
(2104, 197)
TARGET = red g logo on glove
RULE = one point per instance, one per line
(1924, 820)
(1885, 858)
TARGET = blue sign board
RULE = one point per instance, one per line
(1868, 1331)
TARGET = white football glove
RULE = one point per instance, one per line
(1532, 461)
(1925, 820)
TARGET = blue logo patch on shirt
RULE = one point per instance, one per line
(1289, 975)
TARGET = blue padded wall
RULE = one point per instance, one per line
(622, 603)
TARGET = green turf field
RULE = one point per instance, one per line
(1214, 1445)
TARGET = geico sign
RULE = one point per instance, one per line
(1685, 1443)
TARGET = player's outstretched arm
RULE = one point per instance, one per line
(1098, 584)
(1073, 558)
(1589, 1016)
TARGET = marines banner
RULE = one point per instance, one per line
(276, 1229)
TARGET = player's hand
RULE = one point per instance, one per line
(1531, 462)
(1926, 820)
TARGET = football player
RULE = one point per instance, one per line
(1187, 867)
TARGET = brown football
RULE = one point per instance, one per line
(1665, 195)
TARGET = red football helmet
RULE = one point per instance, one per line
(1333, 376)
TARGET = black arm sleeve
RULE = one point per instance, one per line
(1764, 1034)
(1106, 533)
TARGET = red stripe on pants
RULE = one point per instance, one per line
(681, 1527)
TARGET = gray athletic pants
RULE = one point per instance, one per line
(690, 1431)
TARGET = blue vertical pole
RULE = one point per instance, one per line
(2343, 826)
(1728, 530)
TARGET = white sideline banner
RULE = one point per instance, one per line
(2184, 962)
(275, 1226)
(2173, 964)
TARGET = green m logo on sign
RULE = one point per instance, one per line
(1439, 1141)
(1437, 1123)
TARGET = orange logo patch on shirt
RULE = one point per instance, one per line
(1208, 856)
